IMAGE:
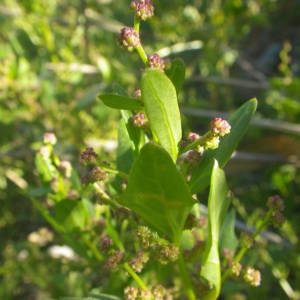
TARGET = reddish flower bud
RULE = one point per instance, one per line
(155, 62)
(143, 9)
(66, 168)
(139, 120)
(97, 174)
(88, 156)
(275, 203)
(129, 38)
(220, 127)
(277, 219)
(49, 138)
(192, 137)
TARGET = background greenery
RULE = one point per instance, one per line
(55, 56)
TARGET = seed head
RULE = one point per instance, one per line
(143, 9)
(129, 38)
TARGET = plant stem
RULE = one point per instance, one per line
(140, 50)
(244, 249)
(199, 142)
(186, 278)
(135, 276)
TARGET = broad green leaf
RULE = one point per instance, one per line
(239, 122)
(121, 102)
(160, 100)
(176, 73)
(157, 192)
(45, 168)
(218, 203)
(125, 149)
(228, 238)
(72, 214)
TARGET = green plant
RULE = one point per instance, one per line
(142, 213)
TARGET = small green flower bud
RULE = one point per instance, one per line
(143, 9)
(145, 295)
(159, 292)
(49, 138)
(129, 38)
(246, 240)
(219, 127)
(167, 253)
(212, 142)
(155, 62)
(252, 276)
(235, 268)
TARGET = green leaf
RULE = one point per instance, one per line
(228, 238)
(176, 73)
(125, 149)
(239, 122)
(121, 102)
(218, 203)
(45, 168)
(157, 192)
(72, 214)
(98, 296)
(159, 97)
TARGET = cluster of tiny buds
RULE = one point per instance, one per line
(97, 174)
(129, 38)
(88, 156)
(219, 127)
(137, 93)
(105, 243)
(114, 260)
(252, 276)
(143, 9)
(193, 136)
(49, 138)
(158, 292)
(138, 262)
(276, 205)
(156, 62)
(166, 253)
(235, 268)
(147, 238)
(139, 120)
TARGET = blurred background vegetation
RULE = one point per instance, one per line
(55, 56)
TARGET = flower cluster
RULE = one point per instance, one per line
(276, 205)
(129, 38)
(143, 9)
(252, 276)
(156, 62)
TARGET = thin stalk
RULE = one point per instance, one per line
(140, 50)
(135, 276)
(199, 142)
(186, 278)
